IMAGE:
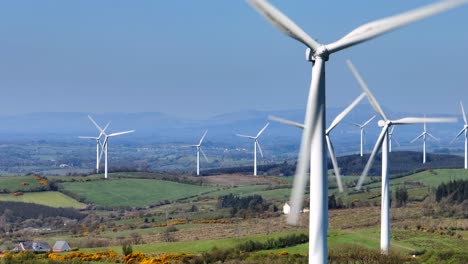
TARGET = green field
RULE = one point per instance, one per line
(419, 185)
(133, 192)
(53, 199)
(19, 183)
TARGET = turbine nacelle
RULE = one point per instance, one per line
(382, 123)
(321, 52)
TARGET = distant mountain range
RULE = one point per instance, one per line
(155, 127)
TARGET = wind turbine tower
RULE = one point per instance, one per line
(424, 135)
(256, 144)
(465, 131)
(361, 127)
(312, 153)
(383, 142)
(98, 141)
(198, 152)
(105, 146)
(391, 139)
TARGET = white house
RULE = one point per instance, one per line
(286, 208)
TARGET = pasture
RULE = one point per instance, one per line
(52, 199)
(120, 193)
(20, 184)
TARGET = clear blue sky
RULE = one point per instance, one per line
(202, 58)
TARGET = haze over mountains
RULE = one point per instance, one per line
(156, 128)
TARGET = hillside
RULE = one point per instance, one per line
(400, 162)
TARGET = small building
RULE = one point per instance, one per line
(286, 208)
(24, 246)
(61, 246)
(39, 246)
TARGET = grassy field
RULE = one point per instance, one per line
(19, 183)
(133, 192)
(419, 185)
(53, 199)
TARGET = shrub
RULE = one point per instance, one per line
(127, 249)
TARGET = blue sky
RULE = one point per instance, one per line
(202, 58)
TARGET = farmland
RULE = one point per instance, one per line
(168, 213)
(52, 199)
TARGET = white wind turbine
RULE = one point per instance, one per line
(198, 152)
(98, 140)
(256, 144)
(333, 124)
(382, 142)
(424, 135)
(314, 123)
(464, 130)
(361, 127)
(105, 145)
(391, 139)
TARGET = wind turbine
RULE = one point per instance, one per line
(314, 124)
(464, 130)
(391, 139)
(198, 152)
(98, 140)
(333, 124)
(361, 127)
(382, 142)
(256, 144)
(424, 135)
(104, 146)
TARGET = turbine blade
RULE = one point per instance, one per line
(370, 96)
(84, 137)
(396, 141)
(345, 112)
(367, 122)
(285, 121)
(463, 112)
(103, 131)
(283, 23)
(102, 148)
(239, 135)
(303, 162)
(259, 148)
(121, 133)
(419, 120)
(203, 137)
(331, 151)
(263, 129)
(356, 124)
(416, 138)
(459, 134)
(436, 139)
(376, 149)
(95, 124)
(391, 130)
(376, 28)
(202, 152)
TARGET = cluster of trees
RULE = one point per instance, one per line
(272, 243)
(403, 162)
(245, 206)
(456, 191)
(18, 212)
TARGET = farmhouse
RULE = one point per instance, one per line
(39, 246)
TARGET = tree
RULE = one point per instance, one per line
(401, 196)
